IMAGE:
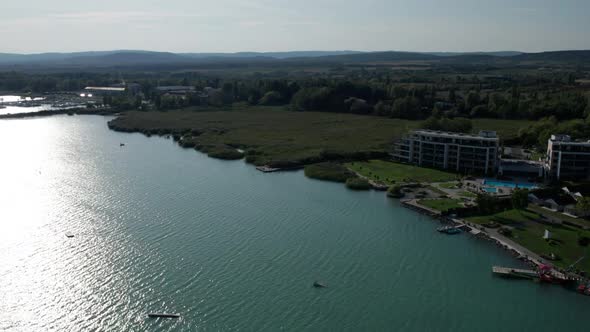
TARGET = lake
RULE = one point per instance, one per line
(160, 228)
(12, 104)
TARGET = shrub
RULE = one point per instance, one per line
(329, 172)
(358, 184)
(395, 192)
(505, 231)
(222, 152)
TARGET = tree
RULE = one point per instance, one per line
(520, 199)
(457, 125)
(583, 241)
(395, 191)
(452, 96)
(271, 98)
(487, 204)
(583, 206)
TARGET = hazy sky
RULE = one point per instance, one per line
(30, 26)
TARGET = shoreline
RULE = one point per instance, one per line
(517, 251)
(68, 111)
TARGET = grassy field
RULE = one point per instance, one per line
(528, 232)
(442, 204)
(510, 217)
(275, 136)
(390, 172)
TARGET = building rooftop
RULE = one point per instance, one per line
(176, 88)
(104, 88)
(484, 134)
(561, 138)
(566, 139)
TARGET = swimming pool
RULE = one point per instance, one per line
(490, 189)
(509, 184)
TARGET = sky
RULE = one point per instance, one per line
(34, 26)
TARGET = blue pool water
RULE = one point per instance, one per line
(490, 189)
(508, 184)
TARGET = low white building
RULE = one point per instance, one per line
(468, 153)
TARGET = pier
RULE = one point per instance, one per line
(514, 273)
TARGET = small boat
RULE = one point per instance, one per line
(69, 235)
(319, 284)
(163, 315)
(583, 289)
(450, 230)
(122, 144)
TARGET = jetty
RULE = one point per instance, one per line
(544, 273)
(414, 205)
(514, 273)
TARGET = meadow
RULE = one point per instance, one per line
(278, 137)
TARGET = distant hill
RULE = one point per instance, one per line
(145, 59)
(556, 56)
(498, 53)
(275, 55)
(371, 57)
(126, 58)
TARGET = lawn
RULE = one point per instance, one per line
(564, 243)
(448, 185)
(528, 232)
(390, 172)
(559, 216)
(441, 204)
(509, 217)
(276, 136)
(467, 194)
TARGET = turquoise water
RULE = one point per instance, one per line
(490, 189)
(509, 184)
(159, 228)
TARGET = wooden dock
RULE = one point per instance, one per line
(514, 273)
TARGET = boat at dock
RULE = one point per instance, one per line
(584, 289)
(450, 230)
(163, 315)
(267, 169)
